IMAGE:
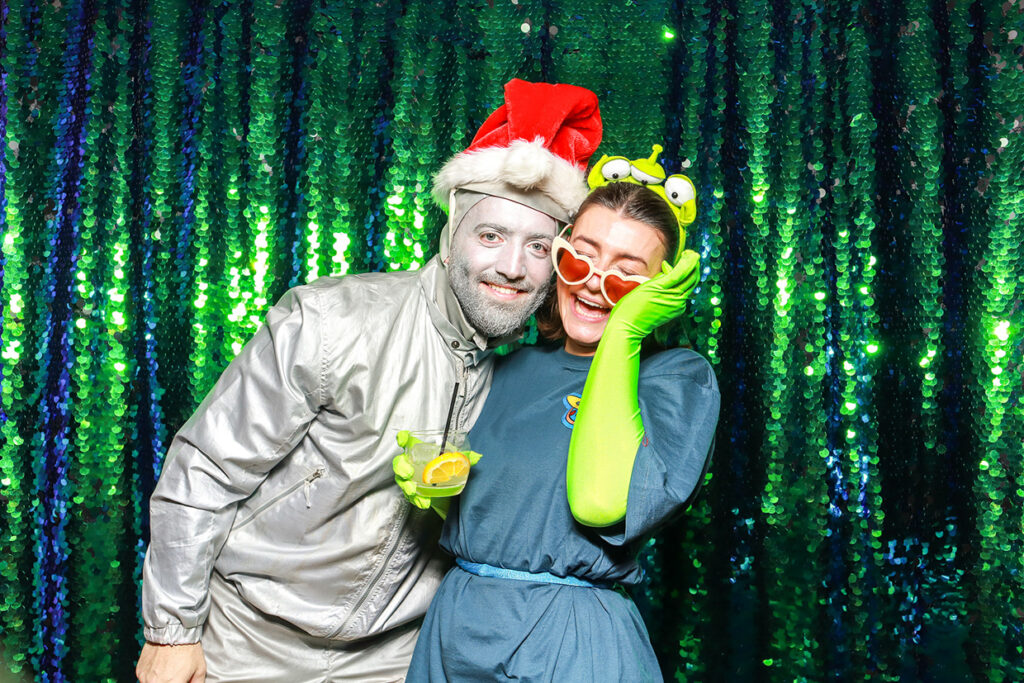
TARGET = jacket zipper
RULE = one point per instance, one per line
(463, 377)
(307, 483)
(463, 393)
(380, 571)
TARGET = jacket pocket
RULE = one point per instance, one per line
(306, 484)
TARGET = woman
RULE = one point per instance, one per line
(540, 543)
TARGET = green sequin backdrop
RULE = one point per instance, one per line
(169, 168)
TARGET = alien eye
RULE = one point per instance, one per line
(645, 178)
(615, 169)
(679, 189)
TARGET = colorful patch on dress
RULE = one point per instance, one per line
(571, 403)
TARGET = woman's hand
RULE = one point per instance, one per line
(660, 299)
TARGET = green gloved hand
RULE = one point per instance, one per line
(608, 429)
(404, 472)
(659, 300)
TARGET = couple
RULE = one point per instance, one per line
(281, 549)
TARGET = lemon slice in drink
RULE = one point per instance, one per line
(445, 467)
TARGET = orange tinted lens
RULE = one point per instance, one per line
(572, 268)
(615, 287)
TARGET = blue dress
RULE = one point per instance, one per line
(514, 514)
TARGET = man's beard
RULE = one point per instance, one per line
(488, 316)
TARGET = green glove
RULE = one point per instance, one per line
(404, 471)
(608, 429)
(658, 300)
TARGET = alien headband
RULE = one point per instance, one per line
(677, 190)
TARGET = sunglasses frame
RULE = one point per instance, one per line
(560, 243)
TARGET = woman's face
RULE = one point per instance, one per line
(610, 242)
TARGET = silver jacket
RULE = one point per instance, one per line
(281, 481)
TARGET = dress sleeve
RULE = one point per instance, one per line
(258, 410)
(679, 403)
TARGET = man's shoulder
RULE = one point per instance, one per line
(363, 281)
(362, 291)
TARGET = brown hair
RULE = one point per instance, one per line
(628, 200)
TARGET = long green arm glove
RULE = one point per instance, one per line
(404, 471)
(608, 428)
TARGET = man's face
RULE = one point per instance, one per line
(500, 264)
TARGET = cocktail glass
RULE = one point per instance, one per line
(438, 472)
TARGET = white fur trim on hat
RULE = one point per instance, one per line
(525, 165)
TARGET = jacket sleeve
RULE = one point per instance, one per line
(256, 413)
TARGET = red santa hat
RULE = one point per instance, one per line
(533, 150)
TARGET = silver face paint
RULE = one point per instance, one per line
(499, 267)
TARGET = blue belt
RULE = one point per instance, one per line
(516, 575)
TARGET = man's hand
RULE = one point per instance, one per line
(171, 664)
(403, 477)
(403, 470)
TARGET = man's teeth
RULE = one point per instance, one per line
(502, 290)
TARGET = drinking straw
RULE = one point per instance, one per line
(448, 420)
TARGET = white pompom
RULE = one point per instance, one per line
(527, 164)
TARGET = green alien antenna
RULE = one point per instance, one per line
(677, 190)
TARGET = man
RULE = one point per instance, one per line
(281, 549)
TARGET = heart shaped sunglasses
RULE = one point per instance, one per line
(574, 269)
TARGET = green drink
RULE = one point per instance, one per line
(439, 472)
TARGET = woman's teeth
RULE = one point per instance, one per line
(590, 309)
